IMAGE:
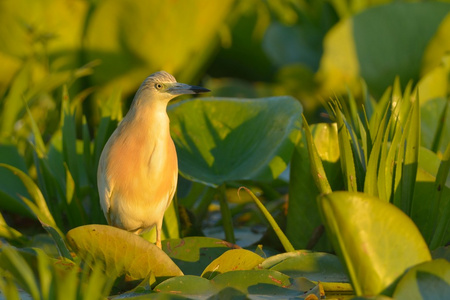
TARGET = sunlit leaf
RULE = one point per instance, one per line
(188, 286)
(120, 252)
(437, 48)
(361, 228)
(232, 260)
(429, 280)
(193, 254)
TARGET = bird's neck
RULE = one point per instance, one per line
(150, 116)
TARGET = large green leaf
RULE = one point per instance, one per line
(429, 280)
(222, 139)
(120, 252)
(375, 240)
(356, 47)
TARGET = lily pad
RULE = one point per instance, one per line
(258, 282)
(430, 280)
(316, 266)
(193, 254)
(225, 139)
(188, 286)
(362, 228)
(232, 260)
(120, 252)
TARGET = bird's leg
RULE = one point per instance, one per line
(158, 235)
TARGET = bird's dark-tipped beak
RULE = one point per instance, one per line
(182, 89)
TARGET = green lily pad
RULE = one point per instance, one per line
(316, 266)
(188, 286)
(225, 139)
(430, 280)
(375, 240)
(232, 260)
(193, 254)
(120, 252)
(241, 284)
(258, 282)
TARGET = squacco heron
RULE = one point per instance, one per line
(138, 168)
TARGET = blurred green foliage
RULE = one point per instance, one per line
(70, 69)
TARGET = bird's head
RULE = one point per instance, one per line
(162, 86)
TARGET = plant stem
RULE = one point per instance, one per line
(226, 215)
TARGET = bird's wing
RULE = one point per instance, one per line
(104, 187)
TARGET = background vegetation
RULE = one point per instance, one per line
(363, 174)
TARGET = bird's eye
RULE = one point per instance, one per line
(158, 86)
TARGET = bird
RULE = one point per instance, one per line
(138, 167)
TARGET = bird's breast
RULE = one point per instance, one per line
(146, 163)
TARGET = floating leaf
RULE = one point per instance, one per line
(193, 254)
(120, 252)
(361, 228)
(316, 266)
(429, 280)
(232, 260)
(258, 282)
(189, 286)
